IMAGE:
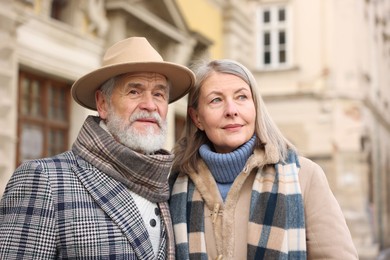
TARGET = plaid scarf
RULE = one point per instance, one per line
(276, 227)
(146, 175)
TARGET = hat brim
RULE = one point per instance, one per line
(180, 77)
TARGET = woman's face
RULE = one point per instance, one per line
(226, 112)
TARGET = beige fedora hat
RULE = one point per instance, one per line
(134, 54)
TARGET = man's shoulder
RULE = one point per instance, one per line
(37, 170)
(59, 161)
(65, 156)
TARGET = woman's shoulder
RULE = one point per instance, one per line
(311, 174)
(309, 167)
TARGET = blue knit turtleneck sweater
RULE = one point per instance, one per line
(225, 167)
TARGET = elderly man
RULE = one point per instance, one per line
(106, 198)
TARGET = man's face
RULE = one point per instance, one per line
(136, 115)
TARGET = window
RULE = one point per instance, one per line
(57, 7)
(43, 117)
(273, 37)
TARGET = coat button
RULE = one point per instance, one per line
(152, 222)
(157, 211)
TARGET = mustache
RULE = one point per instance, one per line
(144, 114)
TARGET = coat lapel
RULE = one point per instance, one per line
(114, 199)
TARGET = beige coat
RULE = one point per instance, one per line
(327, 234)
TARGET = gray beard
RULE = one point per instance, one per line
(147, 142)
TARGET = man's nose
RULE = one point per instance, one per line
(148, 103)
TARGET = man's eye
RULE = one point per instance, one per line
(133, 92)
(160, 95)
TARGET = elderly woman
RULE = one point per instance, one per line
(239, 188)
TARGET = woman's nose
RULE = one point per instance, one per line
(231, 110)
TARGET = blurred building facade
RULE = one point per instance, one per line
(324, 70)
(323, 67)
(45, 45)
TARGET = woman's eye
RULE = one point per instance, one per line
(242, 97)
(215, 100)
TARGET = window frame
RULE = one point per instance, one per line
(42, 119)
(273, 28)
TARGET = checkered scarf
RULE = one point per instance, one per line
(146, 175)
(276, 227)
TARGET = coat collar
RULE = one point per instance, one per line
(207, 186)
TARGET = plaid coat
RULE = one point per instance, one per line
(65, 208)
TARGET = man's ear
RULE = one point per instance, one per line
(195, 118)
(101, 104)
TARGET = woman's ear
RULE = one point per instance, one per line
(195, 118)
(101, 104)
